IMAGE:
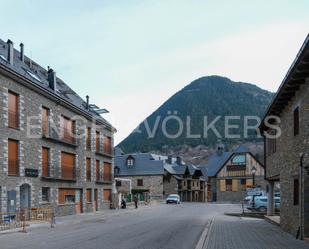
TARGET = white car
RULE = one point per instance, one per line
(173, 199)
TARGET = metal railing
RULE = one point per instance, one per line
(62, 134)
(22, 218)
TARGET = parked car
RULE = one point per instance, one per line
(173, 199)
(260, 203)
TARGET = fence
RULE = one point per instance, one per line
(22, 218)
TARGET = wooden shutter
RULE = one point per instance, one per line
(97, 141)
(67, 165)
(88, 138)
(13, 110)
(249, 183)
(89, 195)
(235, 185)
(88, 169)
(45, 121)
(107, 171)
(107, 195)
(45, 162)
(13, 166)
(107, 145)
(61, 196)
(222, 186)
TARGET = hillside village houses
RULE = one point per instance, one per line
(57, 169)
(154, 177)
(287, 155)
(229, 175)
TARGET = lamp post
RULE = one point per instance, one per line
(253, 171)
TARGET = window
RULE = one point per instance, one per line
(107, 172)
(45, 121)
(97, 171)
(13, 111)
(229, 184)
(140, 182)
(68, 130)
(107, 194)
(117, 170)
(45, 194)
(66, 196)
(97, 141)
(235, 185)
(89, 196)
(67, 166)
(88, 138)
(296, 121)
(45, 162)
(130, 161)
(222, 185)
(243, 185)
(88, 169)
(107, 145)
(13, 163)
(118, 183)
(239, 159)
(296, 192)
(33, 75)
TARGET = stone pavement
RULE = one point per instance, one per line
(249, 233)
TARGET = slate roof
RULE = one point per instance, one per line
(175, 169)
(144, 164)
(241, 149)
(39, 79)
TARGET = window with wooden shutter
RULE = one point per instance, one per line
(45, 121)
(13, 112)
(66, 196)
(229, 184)
(67, 165)
(88, 169)
(88, 138)
(235, 185)
(45, 162)
(97, 171)
(107, 194)
(249, 183)
(140, 182)
(89, 195)
(222, 186)
(97, 141)
(107, 171)
(107, 145)
(68, 130)
(13, 163)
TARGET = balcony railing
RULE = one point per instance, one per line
(62, 135)
(103, 151)
(13, 119)
(13, 167)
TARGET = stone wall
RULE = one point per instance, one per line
(170, 186)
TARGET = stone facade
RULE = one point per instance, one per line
(30, 143)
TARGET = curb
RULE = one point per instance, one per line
(203, 241)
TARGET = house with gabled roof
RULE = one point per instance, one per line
(153, 177)
(229, 174)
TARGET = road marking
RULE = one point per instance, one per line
(204, 237)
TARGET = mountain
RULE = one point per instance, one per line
(196, 105)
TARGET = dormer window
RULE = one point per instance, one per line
(239, 159)
(117, 170)
(130, 161)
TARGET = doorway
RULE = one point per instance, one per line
(95, 201)
(78, 201)
(25, 197)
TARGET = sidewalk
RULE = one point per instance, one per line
(242, 233)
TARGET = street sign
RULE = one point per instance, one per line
(254, 191)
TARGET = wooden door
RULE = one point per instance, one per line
(79, 201)
(45, 162)
(13, 166)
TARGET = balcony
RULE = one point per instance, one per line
(13, 167)
(107, 177)
(63, 135)
(99, 178)
(13, 119)
(103, 151)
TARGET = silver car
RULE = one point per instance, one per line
(261, 202)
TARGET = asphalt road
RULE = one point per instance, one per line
(151, 227)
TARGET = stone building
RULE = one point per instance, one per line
(154, 177)
(285, 153)
(229, 175)
(55, 148)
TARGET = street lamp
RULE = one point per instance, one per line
(253, 171)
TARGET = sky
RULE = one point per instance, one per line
(131, 56)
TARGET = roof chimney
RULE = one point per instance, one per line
(10, 52)
(52, 79)
(87, 102)
(178, 160)
(169, 160)
(22, 55)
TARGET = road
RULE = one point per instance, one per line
(151, 227)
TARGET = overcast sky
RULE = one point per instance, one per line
(131, 56)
